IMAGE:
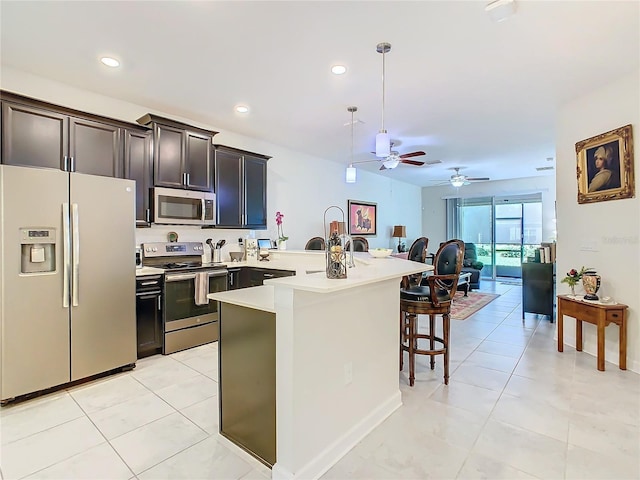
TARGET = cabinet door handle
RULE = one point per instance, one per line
(143, 295)
(184, 178)
(147, 215)
(159, 303)
(269, 275)
(64, 164)
(188, 176)
(72, 164)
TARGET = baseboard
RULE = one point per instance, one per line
(610, 356)
(338, 449)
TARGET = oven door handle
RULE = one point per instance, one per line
(177, 277)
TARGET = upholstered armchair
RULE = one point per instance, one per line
(472, 265)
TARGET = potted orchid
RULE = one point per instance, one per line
(282, 238)
(573, 277)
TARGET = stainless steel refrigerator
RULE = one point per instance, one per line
(67, 284)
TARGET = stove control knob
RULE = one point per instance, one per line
(154, 249)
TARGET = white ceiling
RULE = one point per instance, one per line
(468, 91)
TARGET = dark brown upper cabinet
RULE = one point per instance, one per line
(40, 134)
(51, 138)
(138, 166)
(181, 154)
(240, 180)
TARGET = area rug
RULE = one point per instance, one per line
(463, 307)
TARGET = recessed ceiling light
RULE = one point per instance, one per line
(338, 69)
(110, 62)
(242, 109)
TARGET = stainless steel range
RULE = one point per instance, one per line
(190, 318)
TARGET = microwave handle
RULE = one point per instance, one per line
(203, 210)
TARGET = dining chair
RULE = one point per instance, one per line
(315, 243)
(418, 250)
(360, 244)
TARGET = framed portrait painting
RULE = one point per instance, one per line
(362, 218)
(605, 166)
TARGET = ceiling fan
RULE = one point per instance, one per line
(458, 180)
(394, 159)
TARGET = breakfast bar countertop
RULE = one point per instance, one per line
(310, 270)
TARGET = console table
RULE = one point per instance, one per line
(597, 314)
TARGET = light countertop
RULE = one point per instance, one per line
(310, 276)
(141, 272)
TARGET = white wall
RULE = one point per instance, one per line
(613, 227)
(299, 185)
(434, 212)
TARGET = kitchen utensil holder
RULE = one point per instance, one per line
(336, 255)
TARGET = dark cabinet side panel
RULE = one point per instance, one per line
(255, 171)
(137, 160)
(33, 137)
(95, 148)
(228, 188)
(168, 156)
(198, 161)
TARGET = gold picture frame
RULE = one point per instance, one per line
(605, 166)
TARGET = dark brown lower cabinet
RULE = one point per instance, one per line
(255, 276)
(149, 315)
(538, 288)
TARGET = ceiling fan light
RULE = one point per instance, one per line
(391, 162)
(457, 181)
(383, 144)
(350, 175)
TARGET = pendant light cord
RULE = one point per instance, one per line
(383, 65)
(352, 136)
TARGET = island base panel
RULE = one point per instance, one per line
(247, 380)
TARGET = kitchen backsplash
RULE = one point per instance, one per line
(186, 233)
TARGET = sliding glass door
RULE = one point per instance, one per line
(504, 229)
(476, 226)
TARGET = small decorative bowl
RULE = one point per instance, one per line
(380, 252)
(236, 256)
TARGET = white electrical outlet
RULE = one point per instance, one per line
(348, 373)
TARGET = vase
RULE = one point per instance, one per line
(282, 245)
(591, 284)
(573, 290)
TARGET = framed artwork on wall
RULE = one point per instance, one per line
(362, 218)
(605, 166)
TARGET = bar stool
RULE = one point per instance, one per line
(432, 299)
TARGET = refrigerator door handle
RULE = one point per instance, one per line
(75, 240)
(66, 255)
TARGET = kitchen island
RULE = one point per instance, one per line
(330, 375)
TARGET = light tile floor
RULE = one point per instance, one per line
(515, 408)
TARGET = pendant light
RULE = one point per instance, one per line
(350, 176)
(383, 140)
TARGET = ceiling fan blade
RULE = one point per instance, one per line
(476, 179)
(382, 167)
(412, 162)
(412, 154)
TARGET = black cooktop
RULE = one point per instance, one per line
(184, 266)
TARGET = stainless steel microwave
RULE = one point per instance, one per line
(183, 207)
